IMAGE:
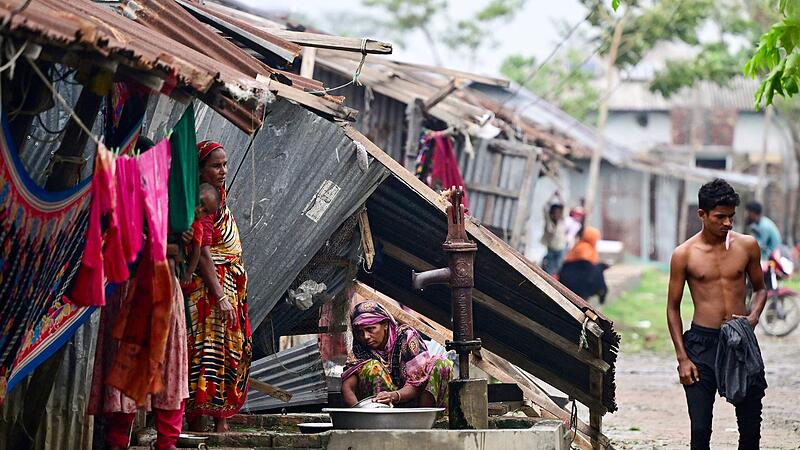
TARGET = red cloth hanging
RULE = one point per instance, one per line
(445, 170)
(103, 255)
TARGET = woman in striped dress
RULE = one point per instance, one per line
(220, 348)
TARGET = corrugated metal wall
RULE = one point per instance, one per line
(382, 120)
(496, 211)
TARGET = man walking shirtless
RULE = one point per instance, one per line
(714, 263)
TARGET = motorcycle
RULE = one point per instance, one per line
(781, 314)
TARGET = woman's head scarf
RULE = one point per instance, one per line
(204, 150)
(586, 248)
(371, 313)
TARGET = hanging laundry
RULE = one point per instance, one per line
(437, 165)
(184, 175)
(143, 324)
(103, 255)
(41, 239)
(130, 206)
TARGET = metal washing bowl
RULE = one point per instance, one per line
(382, 418)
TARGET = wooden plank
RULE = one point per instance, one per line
(481, 298)
(415, 117)
(342, 43)
(492, 190)
(272, 391)
(524, 199)
(453, 73)
(367, 243)
(451, 86)
(307, 66)
(514, 148)
(551, 337)
(497, 166)
(596, 388)
(314, 102)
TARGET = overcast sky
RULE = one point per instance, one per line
(532, 32)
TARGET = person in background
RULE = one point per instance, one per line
(582, 272)
(201, 227)
(763, 229)
(554, 237)
(573, 225)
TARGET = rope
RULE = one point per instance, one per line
(573, 422)
(63, 102)
(355, 81)
(584, 342)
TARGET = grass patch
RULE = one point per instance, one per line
(640, 315)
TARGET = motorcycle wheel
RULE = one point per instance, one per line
(781, 315)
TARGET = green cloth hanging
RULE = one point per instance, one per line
(184, 175)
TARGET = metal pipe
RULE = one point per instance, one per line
(421, 280)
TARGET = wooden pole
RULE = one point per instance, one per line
(597, 155)
(309, 59)
(762, 164)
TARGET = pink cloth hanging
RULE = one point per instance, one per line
(130, 206)
(103, 256)
(445, 170)
(154, 167)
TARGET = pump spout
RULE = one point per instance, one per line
(424, 279)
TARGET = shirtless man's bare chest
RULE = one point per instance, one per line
(716, 278)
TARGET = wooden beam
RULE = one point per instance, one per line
(309, 59)
(272, 391)
(415, 117)
(314, 102)
(514, 148)
(524, 199)
(551, 337)
(491, 190)
(481, 298)
(451, 86)
(347, 44)
(66, 172)
(492, 81)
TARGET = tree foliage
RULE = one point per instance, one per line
(565, 81)
(778, 55)
(468, 35)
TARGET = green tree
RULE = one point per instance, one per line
(469, 36)
(566, 81)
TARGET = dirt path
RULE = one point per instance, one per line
(652, 407)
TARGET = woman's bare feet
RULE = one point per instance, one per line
(196, 424)
(221, 426)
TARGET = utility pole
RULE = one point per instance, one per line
(597, 155)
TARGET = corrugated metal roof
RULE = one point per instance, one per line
(535, 108)
(737, 94)
(276, 193)
(393, 84)
(297, 370)
(82, 25)
(408, 222)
